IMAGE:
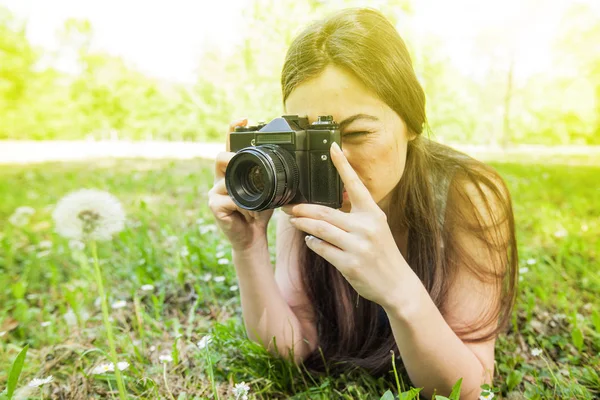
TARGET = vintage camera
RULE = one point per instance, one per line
(284, 161)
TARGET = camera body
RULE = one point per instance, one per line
(284, 161)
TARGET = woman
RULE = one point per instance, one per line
(420, 259)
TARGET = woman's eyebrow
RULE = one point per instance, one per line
(355, 117)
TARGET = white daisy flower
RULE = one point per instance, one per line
(89, 214)
(184, 252)
(45, 244)
(119, 304)
(204, 341)
(536, 352)
(531, 261)
(485, 395)
(42, 254)
(152, 348)
(147, 288)
(207, 277)
(45, 324)
(103, 368)
(39, 382)
(219, 278)
(561, 233)
(584, 228)
(523, 270)
(21, 216)
(223, 261)
(220, 254)
(171, 241)
(233, 288)
(70, 318)
(240, 390)
(165, 358)
(122, 365)
(207, 228)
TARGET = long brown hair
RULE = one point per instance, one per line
(363, 42)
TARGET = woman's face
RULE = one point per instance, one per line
(374, 138)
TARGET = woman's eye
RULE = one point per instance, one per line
(355, 133)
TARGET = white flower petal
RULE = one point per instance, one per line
(147, 288)
(165, 358)
(103, 368)
(223, 261)
(122, 365)
(39, 382)
(119, 304)
(207, 277)
(219, 278)
(204, 342)
(536, 352)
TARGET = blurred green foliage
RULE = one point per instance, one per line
(106, 98)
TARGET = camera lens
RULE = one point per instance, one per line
(262, 177)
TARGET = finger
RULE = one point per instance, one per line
(357, 192)
(325, 231)
(329, 252)
(335, 217)
(221, 162)
(223, 206)
(232, 125)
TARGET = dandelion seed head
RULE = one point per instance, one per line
(165, 358)
(89, 214)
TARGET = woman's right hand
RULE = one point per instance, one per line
(243, 228)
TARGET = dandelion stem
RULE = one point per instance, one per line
(107, 324)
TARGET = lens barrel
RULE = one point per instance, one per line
(262, 177)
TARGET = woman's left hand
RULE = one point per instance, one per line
(359, 243)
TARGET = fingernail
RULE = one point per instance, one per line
(336, 147)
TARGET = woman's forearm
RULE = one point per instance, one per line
(434, 356)
(265, 311)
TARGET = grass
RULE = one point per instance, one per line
(51, 303)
